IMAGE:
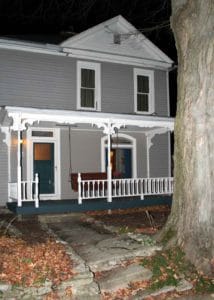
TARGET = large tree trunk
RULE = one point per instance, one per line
(192, 216)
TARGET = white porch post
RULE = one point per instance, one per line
(19, 168)
(148, 146)
(109, 167)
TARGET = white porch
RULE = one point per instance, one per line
(27, 190)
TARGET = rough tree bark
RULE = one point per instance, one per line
(192, 216)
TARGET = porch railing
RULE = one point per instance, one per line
(127, 187)
(29, 191)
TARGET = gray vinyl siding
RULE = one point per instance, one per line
(4, 170)
(37, 80)
(159, 161)
(48, 81)
(142, 157)
(85, 156)
(117, 88)
(161, 103)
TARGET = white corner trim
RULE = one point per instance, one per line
(92, 66)
(150, 75)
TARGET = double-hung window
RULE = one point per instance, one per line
(88, 86)
(144, 91)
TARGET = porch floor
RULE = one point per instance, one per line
(71, 205)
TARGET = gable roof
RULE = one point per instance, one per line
(132, 46)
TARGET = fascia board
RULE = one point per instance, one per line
(157, 51)
(128, 28)
(72, 117)
(31, 49)
(114, 58)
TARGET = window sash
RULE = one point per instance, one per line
(87, 88)
(142, 102)
(144, 91)
(87, 97)
(88, 78)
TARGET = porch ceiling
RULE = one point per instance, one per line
(23, 115)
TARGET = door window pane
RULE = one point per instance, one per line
(42, 133)
(42, 151)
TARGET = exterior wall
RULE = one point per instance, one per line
(4, 170)
(159, 159)
(142, 157)
(85, 156)
(161, 91)
(37, 80)
(48, 81)
(117, 88)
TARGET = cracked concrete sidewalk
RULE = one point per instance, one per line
(98, 249)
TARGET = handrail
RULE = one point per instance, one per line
(29, 191)
(124, 187)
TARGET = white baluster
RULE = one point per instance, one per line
(36, 196)
(93, 188)
(79, 189)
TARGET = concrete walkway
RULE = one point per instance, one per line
(99, 254)
(100, 250)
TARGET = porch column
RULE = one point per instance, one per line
(18, 126)
(109, 129)
(19, 168)
(109, 168)
(148, 146)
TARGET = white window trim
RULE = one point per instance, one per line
(132, 146)
(92, 66)
(150, 74)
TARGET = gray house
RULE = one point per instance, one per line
(88, 118)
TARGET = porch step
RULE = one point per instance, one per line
(66, 206)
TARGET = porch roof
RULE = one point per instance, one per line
(26, 115)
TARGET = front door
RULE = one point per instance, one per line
(43, 164)
(121, 162)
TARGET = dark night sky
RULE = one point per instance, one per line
(47, 19)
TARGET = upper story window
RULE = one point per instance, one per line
(88, 86)
(144, 91)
